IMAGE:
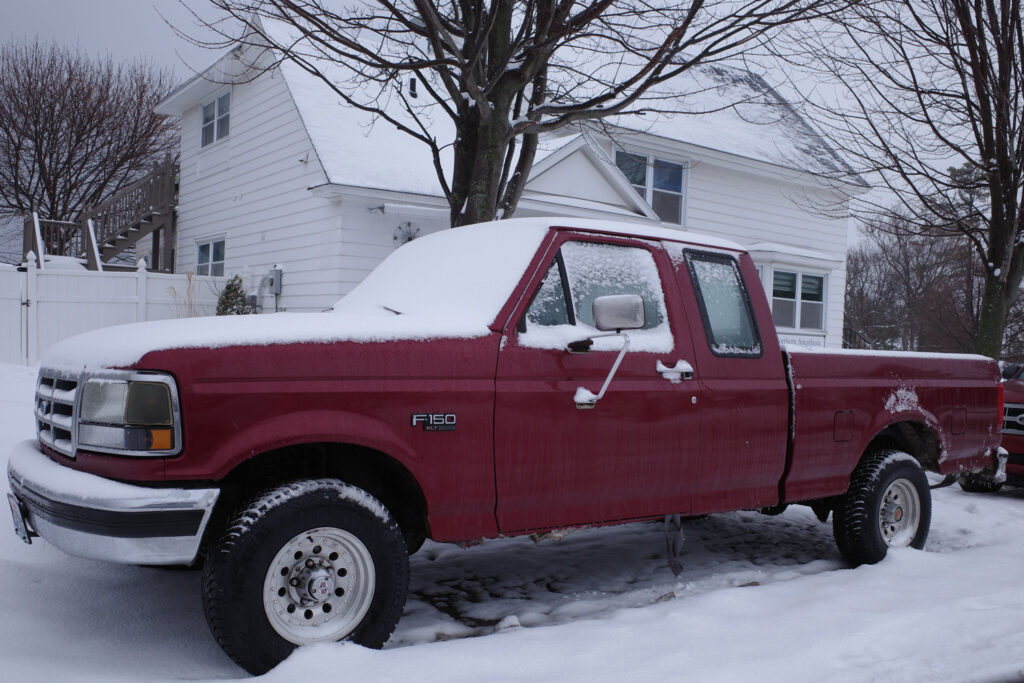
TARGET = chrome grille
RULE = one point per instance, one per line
(55, 411)
(1013, 418)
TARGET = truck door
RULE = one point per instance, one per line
(745, 398)
(634, 454)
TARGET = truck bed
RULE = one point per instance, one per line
(946, 407)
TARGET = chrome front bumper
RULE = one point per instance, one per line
(90, 516)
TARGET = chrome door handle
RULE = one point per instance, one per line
(680, 371)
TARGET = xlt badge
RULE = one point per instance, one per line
(435, 422)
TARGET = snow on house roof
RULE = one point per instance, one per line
(718, 107)
(789, 250)
(735, 111)
(356, 150)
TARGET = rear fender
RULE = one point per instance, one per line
(914, 430)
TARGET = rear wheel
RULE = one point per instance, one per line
(313, 561)
(888, 505)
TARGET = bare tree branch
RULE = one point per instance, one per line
(503, 71)
(74, 130)
(932, 105)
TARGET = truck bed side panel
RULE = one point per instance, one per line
(843, 400)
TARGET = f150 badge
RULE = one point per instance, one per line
(435, 422)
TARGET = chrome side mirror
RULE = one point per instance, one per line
(613, 312)
(619, 312)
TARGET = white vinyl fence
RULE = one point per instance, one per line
(41, 307)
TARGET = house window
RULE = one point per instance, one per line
(658, 181)
(216, 119)
(798, 300)
(210, 257)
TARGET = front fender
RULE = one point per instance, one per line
(309, 426)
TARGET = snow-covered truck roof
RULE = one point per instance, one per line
(450, 284)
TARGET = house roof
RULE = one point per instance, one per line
(735, 111)
(729, 110)
(592, 179)
(358, 150)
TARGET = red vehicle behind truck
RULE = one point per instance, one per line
(500, 379)
(1013, 437)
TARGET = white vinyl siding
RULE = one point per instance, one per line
(252, 187)
(752, 208)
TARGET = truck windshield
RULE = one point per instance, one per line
(464, 273)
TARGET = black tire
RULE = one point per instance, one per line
(319, 540)
(978, 483)
(890, 486)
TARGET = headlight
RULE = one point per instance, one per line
(134, 416)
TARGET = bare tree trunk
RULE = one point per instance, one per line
(992, 321)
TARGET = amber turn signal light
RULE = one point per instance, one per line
(161, 439)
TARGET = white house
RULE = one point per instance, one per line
(275, 172)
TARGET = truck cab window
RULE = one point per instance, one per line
(549, 303)
(562, 308)
(724, 304)
(596, 269)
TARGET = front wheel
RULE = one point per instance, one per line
(888, 505)
(312, 561)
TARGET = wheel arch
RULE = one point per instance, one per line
(372, 470)
(916, 437)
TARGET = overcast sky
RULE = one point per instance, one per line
(125, 29)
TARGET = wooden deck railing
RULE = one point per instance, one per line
(58, 237)
(149, 199)
(854, 339)
(146, 207)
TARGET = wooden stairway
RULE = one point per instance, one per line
(102, 232)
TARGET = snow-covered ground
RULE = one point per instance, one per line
(761, 599)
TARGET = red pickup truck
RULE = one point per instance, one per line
(507, 378)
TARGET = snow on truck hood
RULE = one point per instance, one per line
(450, 284)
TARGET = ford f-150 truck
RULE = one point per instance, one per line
(500, 379)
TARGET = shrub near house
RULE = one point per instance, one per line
(498, 379)
(232, 301)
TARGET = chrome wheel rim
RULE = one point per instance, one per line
(319, 586)
(900, 514)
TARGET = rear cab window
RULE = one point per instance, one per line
(724, 303)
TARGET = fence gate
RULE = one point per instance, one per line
(38, 308)
(13, 316)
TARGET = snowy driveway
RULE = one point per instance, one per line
(761, 599)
